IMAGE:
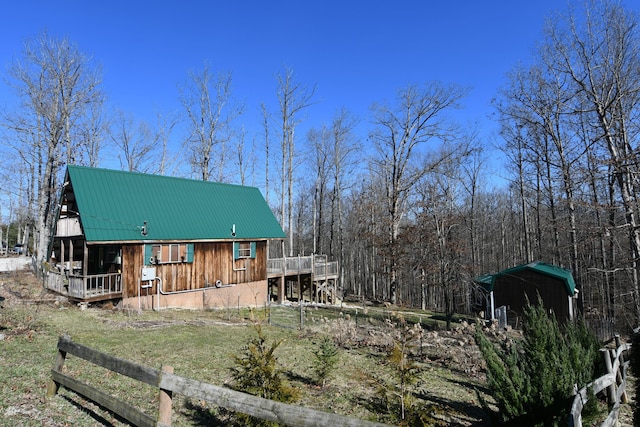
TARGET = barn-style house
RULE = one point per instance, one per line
(156, 241)
(513, 288)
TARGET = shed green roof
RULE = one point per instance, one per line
(114, 206)
(488, 280)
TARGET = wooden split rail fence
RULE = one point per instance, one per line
(614, 381)
(168, 384)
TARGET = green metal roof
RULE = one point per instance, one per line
(488, 280)
(114, 205)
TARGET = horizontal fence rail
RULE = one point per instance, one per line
(168, 383)
(614, 381)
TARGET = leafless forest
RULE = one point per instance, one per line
(405, 198)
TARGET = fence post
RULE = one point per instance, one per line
(164, 412)
(52, 388)
(607, 362)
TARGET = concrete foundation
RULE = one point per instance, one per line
(253, 294)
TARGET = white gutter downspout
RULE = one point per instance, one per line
(158, 286)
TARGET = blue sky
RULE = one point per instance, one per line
(356, 53)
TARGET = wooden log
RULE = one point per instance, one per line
(614, 381)
(126, 411)
(620, 372)
(575, 415)
(265, 409)
(164, 412)
(169, 383)
(132, 370)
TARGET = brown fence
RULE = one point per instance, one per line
(614, 381)
(168, 383)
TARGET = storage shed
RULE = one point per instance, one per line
(511, 288)
(156, 241)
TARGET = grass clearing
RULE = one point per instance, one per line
(200, 345)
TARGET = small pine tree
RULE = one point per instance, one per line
(397, 394)
(256, 372)
(326, 360)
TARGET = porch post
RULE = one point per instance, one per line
(70, 257)
(314, 298)
(85, 260)
(62, 253)
(299, 281)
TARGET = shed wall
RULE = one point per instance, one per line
(513, 290)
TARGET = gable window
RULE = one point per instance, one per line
(243, 250)
(169, 253)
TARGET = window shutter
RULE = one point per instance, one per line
(253, 250)
(147, 254)
(189, 252)
(236, 250)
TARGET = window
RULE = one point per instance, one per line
(244, 250)
(168, 253)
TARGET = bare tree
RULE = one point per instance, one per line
(600, 54)
(134, 141)
(401, 131)
(209, 113)
(472, 182)
(346, 148)
(319, 144)
(58, 85)
(165, 125)
(293, 97)
(541, 101)
(91, 136)
(244, 157)
(265, 126)
(441, 236)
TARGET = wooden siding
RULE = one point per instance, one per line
(514, 289)
(211, 262)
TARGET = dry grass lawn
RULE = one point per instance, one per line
(201, 345)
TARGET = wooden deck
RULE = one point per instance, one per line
(95, 287)
(303, 278)
(314, 276)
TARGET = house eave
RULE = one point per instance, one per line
(148, 241)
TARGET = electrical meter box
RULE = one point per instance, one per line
(148, 273)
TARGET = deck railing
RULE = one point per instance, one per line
(326, 269)
(302, 265)
(85, 287)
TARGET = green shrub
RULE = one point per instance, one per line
(256, 372)
(326, 358)
(396, 393)
(536, 374)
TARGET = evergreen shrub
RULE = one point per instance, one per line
(532, 379)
